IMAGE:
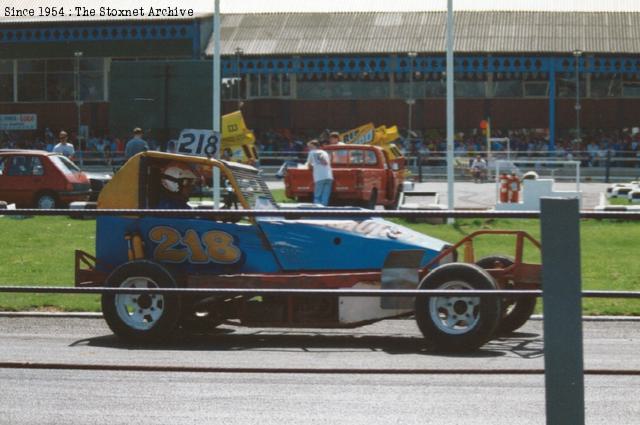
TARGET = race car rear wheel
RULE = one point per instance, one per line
(515, 311)
(141, 318)
(458, 323)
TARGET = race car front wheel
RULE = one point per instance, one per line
(141, 318)
(458, 323)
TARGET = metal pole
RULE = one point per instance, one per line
(239, 53)
(450, 116)
(607, 172)
(563, 353)
(78, 55)
(411, 100)
(577, 54)
(216, 101)
(552, 105)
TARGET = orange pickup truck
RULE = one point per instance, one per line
(363, 175)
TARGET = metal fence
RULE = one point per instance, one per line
(606, 166)
(561, 277)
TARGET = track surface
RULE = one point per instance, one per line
(483, 195)
(385, 376)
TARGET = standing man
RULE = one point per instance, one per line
(64, 147)
(135, 145)
(479, 169)
(322, 174)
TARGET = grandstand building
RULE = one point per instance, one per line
(309, 71)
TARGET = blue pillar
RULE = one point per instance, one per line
(552, 105)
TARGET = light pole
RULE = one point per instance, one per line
(239, 52)
(410, 101)
(577, 54)
(78, 100)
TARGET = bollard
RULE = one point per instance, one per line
(607, 171)
(561, 283)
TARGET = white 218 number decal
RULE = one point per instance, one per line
(198, 142)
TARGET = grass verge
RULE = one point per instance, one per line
(40, 251)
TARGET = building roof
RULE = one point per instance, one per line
(386, 32)
(204, 8)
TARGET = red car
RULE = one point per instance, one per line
(40, 179)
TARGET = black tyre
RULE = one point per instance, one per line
(457, 324)
(146, 317)
(373, 200)
(515, 311)
(46, 200)
(396, 201)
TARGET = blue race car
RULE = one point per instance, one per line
(274, 252)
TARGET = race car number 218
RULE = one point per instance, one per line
(198, 142)
(213, 246)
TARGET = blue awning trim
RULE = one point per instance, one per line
(98, 33)
(427, 64)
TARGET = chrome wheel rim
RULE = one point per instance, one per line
(454, 315)
(46, 202)
(139, 311)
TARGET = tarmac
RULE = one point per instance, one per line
(469, 195)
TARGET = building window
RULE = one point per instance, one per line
(436, 88)
(603, 86)
(286, 85)
(566, 85)
(31, 80)
(631, 88)
(506, 88)
(91, 79)
(54, 80)
(6, 81)
(264, 85)
(270, 85)
(254, 85)
(60, 80)
(469, 88)
(228, 89)
(536, 88)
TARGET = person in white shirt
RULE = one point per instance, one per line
(479, 169)
(322, 175)
(64, 147)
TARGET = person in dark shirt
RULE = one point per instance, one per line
(135, 145)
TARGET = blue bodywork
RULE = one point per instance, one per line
(198, 246)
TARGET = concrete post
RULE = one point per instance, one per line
(561, 280)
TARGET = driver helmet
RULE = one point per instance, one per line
(176, 176)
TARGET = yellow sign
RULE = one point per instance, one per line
(382, 136)
(362, 135)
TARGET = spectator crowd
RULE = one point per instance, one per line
(101, 147)
(594, 148)
(591, 149)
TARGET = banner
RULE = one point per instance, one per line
(18, 121)
(238, 142)
(198, 142)
(359, 136)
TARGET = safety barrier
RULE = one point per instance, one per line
(561, 277)
(604, 166)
